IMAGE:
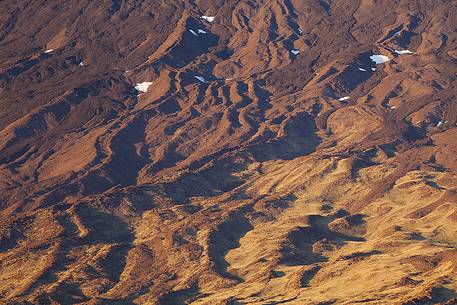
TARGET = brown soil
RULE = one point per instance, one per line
(242, 175)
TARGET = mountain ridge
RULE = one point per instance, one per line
(265, 157)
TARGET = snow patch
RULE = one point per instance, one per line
(441, 123)
(373, 69)
(143, 87)
(81, 64)
(48, 51)
(201, 78)
(362, 69)
(295, 51)
(379, 59)
(193, 32)
(345, 98)
(397, 33)
(201, 31)
(208, 18)
(401, 52)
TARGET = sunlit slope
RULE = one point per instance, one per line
(228, 152)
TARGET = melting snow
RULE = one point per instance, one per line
(295, 51)
(404, 52)
(49, 51)
(362, 69)
(201, 78)
(201, 31)
(344, 98)
(193, 32)
(208, 18)
(379, 59)
(143, 87)
(440, 123)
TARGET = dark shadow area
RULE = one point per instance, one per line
(352, 76)
(392, 33)
(224, 54)
(227, 237)
(361, 163)
(356, 255)
(325, 5)
(103, 227)
(11, 236)
(298, 247)
(125, 160)
(191, 45)
(444, 294)
(299, 140)
(330, 72)
(414, 133)
(308, 275)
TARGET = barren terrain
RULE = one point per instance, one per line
(228, 152)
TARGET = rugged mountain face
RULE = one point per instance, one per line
(228, 152)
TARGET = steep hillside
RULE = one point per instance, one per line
(228, 152)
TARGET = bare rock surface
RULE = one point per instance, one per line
(228, 152)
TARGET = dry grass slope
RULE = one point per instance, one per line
(270, 160)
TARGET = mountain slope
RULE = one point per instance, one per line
(284, 151)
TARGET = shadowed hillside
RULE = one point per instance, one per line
(228, 152)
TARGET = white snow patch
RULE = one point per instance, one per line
(373, 69)
(81, 64)
(362, 69)
(201, 78)
(397, 33)
(208, 18)
(193, 32)
(294, 51)
(345, 98)
(379, 59)
(393, 107)
(401, 52)
(143, 87)
(201, 31)
(48, 51)
(441, 123)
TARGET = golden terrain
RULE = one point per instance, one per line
(259, 185)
